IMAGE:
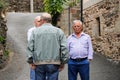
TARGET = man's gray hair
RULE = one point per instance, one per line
(38, 17)
(46, 17)
(77, 21)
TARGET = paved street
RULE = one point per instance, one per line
(18, 69)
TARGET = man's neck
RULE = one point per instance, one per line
(78, 34)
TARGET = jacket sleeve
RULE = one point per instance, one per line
(30, 49)
(63, 48)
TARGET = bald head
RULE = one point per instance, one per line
(46, 17)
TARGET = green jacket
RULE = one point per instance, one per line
(47, 45)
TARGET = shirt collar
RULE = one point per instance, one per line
(82, 34)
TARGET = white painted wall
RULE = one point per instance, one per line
(88, 3)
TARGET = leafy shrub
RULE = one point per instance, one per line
(3, 4)
(6, 53)
(2, 39)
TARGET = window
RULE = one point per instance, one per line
(98, 23)
(97, 27)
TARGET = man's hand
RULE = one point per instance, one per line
(32, 66)
(89, 60)
(61, 67)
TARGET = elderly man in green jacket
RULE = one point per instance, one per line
(47, 50)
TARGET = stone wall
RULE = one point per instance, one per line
(19, 6)
(3, 31)
(38, 5)
(24, 5)
(102, 23)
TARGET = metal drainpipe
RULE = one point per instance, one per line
(81, 9)
(69, 32)
(31, 6)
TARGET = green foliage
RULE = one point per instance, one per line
(2, 39)
(6, 53)
(55, 8)
(3, 4)
(71, 3)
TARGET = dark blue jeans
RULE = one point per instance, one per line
(47, 72)
(81, 67)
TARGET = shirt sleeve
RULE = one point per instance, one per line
(69, 42)
(90, 49)
(29, 34)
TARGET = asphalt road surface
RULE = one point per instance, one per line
(18, 69)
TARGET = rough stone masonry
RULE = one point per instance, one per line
(102, 22)
(3, 31)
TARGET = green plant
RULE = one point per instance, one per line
(6, 53)
(55, 8)
(70, 3)
(3, 4)
(2, 39)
